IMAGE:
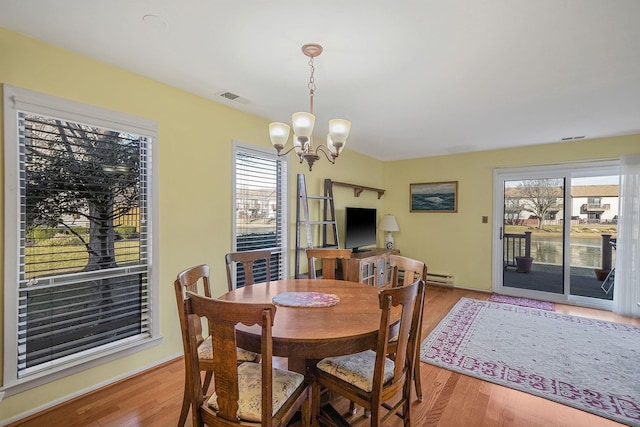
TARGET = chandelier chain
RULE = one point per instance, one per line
(312, 84)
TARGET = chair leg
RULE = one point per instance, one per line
(406, 414)
(418, 381)
(416, 362)
(207, 381)
(186, 403)
(306, 410)
(374, 414)
(315, 404)
(352, 408)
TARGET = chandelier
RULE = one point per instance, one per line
(303, 126)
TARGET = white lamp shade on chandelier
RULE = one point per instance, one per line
(389, 224)
(279, 133)
(303, 124)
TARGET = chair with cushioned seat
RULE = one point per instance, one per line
(329, 258)
(248, 259)
(405, 271)
(370, 378)
(249, 393)
(196, 280)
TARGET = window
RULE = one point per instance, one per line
(260, 199)
(78, 267)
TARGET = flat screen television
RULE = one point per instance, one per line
(359, 228)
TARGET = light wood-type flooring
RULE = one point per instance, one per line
(451, 399)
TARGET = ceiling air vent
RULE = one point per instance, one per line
(571, 138)
(229, 95)
(233, 97)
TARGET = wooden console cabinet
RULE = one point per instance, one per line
(371, 267)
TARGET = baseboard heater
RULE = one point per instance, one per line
(440, 279)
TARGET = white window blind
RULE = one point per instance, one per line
(78, 278)
(260, 200)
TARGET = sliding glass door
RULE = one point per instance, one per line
(532, 234)
(556, 229)
(592, 240)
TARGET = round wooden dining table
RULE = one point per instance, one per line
(306, 334)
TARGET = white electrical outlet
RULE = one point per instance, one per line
(1, 395)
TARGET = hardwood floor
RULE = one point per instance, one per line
(451, 399)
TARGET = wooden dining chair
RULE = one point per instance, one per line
(196, 280)
(370, 378)
(405, 271)
(248, 259)
(249, 393)
(329, 258)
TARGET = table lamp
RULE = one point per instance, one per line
(389, 224)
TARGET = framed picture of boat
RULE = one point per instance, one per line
(434, 197)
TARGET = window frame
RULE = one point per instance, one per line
(17, 99)
(238, 148)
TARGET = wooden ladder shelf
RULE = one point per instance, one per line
(307, 235)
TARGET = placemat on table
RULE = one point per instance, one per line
(305, 299)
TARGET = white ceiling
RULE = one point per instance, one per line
(416, 78)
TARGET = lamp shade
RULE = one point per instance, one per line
(339, 130)
(279, 133)
(389, 223)
(303, 125)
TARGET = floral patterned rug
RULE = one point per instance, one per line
(523, 302)
(588, 364)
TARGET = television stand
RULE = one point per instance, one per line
(359, 251)
(371, 266)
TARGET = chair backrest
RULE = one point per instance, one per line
(223, 316)
(408, 298)
(405, 271)
(196, 280)
(329, 257)
(247, 259)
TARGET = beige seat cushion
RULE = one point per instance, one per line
(250, 390)
(205, 352)
(356, 369)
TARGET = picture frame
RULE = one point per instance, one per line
(434, 197)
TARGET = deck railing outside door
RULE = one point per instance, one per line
(515, 245)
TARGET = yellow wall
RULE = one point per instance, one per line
(195, 188)
(459, 243)
(195, 181)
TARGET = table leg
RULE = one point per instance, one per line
(329, 417)
(297, 365)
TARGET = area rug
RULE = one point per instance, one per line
(588, 364)
(524, 302)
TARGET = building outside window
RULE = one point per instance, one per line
(260, 198)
